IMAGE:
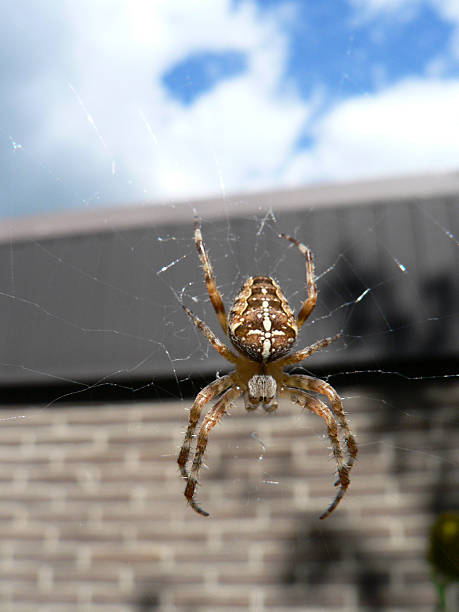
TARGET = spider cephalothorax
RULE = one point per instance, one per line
(263, 329)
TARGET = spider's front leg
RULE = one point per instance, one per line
(204, 396)
(309, 383)
(210, 420)
(299, 396)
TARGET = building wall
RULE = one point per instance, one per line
(92, 513)
(105, 302)
(93, 518)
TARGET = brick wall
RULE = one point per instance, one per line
(92, 515)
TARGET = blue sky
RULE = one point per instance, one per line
(328, 48)
(124, 101)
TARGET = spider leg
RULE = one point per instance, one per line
(210, 420)
(307, 352)
(309, 383)
(211, 337)
(311, 299)
(214, 294)
(204, 396)
(299, 396)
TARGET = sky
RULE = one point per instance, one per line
(118, 102)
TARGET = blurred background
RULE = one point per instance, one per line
(336, 123)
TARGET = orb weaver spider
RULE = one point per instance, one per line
(262, 328)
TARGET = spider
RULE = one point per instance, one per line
(262, 328)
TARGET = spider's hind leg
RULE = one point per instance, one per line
(311, 298)
(211, 337)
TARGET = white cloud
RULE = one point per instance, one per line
(410, 127)
(449, 9)
(236, 134)
(101, 104)
(115, 107)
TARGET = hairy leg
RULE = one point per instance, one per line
(211, 337)
(309, 383)
(300, 397)
(204, 396)
(311, 298)
(210, 420)
(307, 352)
(214, 294)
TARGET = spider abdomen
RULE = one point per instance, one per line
(261, 323)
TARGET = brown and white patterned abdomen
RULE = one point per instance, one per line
(261, 323)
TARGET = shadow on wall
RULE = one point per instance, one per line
(416, 424)
(150, 602)
(384, 313)
(317, 556)
(147, 602)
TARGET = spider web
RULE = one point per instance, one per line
(371, 305)
(385, 275)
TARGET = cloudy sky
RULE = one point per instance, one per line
(122, 101)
